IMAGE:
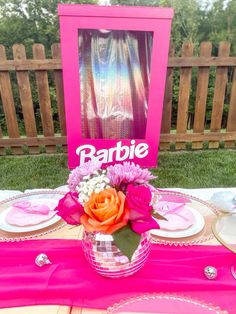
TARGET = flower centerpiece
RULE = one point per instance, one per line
(115, 207)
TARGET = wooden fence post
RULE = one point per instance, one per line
(201, 94)
(56, 54)
(184, 93)
(44, 96)
(25, 96)
(231, 122)
(8, 102)
(167, 106)
(219, 93)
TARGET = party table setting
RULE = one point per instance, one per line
(109, 241)
(169, 251)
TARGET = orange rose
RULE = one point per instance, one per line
(105, 211)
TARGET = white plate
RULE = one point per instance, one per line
(5, 226)
(192, 230)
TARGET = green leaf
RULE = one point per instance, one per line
(126, 240)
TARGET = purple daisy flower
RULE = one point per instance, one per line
(120, 175)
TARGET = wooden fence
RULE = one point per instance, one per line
(25, 72)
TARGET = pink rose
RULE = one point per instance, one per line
(69, 208)
(138, 200)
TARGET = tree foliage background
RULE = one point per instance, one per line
(36, 21)
(197, 20)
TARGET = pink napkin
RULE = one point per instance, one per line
(28, 213)
(27, 207)
(174, 209)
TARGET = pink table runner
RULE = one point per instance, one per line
(69, 280)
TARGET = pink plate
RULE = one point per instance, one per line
(164, 304)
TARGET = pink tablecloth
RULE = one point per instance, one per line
(69, 280)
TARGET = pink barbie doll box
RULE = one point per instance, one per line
(114, 61)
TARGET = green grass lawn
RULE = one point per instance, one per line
(190, 169)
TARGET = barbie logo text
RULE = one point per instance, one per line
(118, 153)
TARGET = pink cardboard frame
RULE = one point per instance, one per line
(110, 151)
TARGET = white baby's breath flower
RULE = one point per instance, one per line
(86, 177)
(92, 183)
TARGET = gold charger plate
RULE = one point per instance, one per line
(163, 303)
(205, 209)
(225, 232)
(39, 231)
